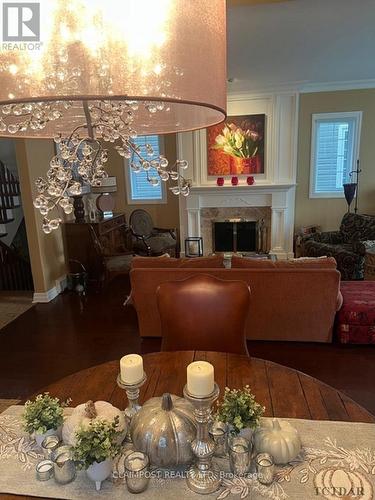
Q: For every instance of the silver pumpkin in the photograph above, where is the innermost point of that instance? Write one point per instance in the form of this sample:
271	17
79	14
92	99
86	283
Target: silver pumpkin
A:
164	428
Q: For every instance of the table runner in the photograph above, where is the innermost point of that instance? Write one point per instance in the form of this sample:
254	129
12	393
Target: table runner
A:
335	455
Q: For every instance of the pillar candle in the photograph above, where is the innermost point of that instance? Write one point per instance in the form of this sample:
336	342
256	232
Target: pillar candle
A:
200	379
131	369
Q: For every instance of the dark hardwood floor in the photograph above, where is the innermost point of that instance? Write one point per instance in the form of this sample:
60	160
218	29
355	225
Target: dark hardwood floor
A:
69	334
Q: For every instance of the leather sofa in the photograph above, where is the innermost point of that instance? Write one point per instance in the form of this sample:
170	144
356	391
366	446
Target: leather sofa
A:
295	302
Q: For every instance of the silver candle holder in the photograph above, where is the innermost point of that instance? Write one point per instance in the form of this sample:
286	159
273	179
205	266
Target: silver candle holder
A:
132	393
203	477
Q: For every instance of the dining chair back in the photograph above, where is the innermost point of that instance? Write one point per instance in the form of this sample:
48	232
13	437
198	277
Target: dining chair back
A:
203	313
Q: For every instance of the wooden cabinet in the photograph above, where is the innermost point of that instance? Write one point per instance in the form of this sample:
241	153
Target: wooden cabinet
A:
78	240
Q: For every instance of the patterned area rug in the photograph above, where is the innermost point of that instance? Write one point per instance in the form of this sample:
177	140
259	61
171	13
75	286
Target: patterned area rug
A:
12	306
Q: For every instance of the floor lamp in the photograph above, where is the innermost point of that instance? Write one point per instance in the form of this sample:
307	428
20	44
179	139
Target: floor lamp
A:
351	189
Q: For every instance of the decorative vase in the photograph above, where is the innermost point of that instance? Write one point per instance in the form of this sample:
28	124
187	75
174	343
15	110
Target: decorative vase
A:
240	165
99	472
246	433
220	181
234	181
250	180
39	438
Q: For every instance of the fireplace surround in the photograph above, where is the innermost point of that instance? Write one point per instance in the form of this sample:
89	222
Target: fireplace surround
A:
273	204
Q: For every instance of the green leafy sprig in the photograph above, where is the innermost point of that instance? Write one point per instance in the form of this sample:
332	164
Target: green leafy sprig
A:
239	409
96	442
43	414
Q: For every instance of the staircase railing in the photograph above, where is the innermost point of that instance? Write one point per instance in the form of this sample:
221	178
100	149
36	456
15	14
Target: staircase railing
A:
15	272
9	189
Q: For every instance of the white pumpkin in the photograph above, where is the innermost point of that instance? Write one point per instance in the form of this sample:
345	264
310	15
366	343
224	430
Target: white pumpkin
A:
85	413
279	439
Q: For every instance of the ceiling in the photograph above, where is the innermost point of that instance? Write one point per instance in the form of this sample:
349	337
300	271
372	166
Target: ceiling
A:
299	43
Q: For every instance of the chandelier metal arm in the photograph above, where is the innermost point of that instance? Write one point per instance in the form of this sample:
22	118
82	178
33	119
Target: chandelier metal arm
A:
90	129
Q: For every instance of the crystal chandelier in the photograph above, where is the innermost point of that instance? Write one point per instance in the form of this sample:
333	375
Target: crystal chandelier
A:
106	72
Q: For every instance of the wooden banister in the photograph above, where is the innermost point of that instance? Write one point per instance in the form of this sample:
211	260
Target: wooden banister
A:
15	272
9	189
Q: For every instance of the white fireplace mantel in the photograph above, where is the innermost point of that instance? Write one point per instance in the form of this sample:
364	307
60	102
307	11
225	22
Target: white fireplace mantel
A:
279	197
275	188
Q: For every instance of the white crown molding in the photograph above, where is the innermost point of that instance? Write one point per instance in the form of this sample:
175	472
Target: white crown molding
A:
52	293
337	86
262	94
301	87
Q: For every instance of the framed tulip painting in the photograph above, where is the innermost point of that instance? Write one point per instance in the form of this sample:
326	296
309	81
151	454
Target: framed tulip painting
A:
236	146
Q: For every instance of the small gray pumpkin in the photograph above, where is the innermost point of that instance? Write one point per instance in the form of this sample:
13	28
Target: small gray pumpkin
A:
164	428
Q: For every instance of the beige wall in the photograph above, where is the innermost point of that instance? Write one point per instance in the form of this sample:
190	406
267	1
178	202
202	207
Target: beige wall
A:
46	251
165	214
328	212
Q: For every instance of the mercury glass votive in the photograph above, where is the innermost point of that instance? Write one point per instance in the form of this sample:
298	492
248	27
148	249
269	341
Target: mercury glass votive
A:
239	455
44	470
219	434
64	465
137	472
49	446
265	468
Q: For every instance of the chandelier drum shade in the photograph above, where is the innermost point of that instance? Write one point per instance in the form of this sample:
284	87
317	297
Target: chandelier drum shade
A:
164	51
109	71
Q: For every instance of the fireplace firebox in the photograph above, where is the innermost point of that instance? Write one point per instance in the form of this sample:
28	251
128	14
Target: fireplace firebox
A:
235	236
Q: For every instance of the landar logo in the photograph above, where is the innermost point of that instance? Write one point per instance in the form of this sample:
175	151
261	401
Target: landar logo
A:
21	22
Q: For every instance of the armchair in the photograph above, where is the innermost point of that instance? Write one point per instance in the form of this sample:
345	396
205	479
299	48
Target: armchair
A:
149	240
110	265
348	245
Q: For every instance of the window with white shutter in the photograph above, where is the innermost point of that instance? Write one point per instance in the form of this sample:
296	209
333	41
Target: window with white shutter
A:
139	189
334	152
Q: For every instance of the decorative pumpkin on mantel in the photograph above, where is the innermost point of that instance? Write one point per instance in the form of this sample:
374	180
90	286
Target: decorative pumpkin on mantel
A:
279	439
85	413
164	429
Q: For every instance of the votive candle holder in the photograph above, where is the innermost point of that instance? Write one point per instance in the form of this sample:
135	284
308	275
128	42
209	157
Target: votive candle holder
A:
265	468
137	472
219	434
239	455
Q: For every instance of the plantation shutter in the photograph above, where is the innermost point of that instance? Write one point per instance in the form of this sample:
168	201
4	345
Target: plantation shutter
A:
141	189
334	148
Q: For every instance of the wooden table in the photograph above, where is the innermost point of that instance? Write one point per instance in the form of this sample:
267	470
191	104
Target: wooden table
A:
283	391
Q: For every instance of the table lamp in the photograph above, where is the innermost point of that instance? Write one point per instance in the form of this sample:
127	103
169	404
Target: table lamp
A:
105	202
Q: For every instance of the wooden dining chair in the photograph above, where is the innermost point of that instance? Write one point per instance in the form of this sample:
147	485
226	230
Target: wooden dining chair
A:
204	313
